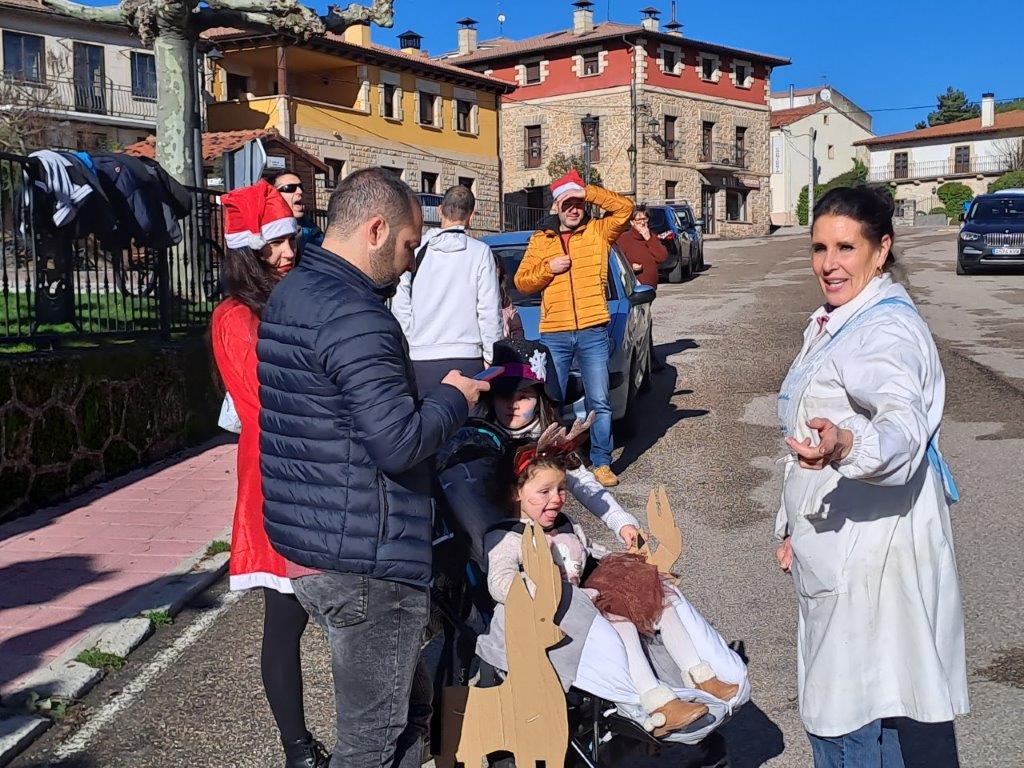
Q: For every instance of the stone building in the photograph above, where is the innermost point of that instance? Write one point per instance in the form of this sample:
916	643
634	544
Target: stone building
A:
72	83
677	119
354	104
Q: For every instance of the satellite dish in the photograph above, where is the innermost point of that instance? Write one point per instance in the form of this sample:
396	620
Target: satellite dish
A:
501	18
825	94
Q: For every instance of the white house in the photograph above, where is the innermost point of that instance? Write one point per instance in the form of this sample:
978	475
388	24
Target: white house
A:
837	124
96	80
974	152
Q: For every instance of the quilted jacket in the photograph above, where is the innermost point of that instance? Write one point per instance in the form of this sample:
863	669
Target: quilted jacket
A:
575	300
345	441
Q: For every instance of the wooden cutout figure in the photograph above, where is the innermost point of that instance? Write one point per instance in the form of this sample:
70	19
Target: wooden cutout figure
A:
526	714
663	527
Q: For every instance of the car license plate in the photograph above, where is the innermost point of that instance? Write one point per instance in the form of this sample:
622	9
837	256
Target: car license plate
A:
1006	251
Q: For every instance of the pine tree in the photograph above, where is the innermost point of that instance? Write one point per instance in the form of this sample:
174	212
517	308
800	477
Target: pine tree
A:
953	106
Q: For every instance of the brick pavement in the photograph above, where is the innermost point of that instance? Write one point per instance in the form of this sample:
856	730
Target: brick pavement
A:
68	570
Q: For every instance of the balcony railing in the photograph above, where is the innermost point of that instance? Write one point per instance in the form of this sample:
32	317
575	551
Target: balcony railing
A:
722	153
69	95
940	169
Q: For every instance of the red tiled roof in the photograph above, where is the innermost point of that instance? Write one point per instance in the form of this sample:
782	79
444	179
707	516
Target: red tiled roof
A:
602	31
217	143
1004	121
338	42
781	117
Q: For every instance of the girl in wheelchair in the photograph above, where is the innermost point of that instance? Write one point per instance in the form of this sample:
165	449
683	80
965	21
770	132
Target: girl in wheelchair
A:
625	609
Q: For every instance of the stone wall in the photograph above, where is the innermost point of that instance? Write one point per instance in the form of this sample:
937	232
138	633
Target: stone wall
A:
356	155
71	419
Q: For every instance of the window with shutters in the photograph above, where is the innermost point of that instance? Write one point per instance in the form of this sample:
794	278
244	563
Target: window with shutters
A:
670	137
533	73
901	165
465	121
670	190
429	103
962	159
389	106
532	145
591	64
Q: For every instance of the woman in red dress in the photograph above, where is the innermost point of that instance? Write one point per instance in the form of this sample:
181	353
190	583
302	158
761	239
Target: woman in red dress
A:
260	234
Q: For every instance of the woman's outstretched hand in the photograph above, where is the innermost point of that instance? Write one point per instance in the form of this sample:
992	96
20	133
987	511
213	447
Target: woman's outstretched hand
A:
784	554
834	444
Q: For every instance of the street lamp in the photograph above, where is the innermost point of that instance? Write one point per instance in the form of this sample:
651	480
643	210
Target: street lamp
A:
588	123
631	154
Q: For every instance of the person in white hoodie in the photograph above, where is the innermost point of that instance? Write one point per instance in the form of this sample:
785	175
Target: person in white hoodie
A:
450	306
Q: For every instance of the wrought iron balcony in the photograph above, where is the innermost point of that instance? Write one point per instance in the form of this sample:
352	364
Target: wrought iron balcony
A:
940	169
722	154
68	95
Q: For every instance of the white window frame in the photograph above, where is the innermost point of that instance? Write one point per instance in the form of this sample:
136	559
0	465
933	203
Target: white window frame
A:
680	63
466	96
744	196
363	104
748	81
716	74
521	70
577	62
395	81
430	88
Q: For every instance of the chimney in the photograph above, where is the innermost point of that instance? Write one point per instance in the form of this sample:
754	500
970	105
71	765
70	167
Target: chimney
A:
358	34
582	17
988	110
410	42
674	27
650	19
792	97
467	36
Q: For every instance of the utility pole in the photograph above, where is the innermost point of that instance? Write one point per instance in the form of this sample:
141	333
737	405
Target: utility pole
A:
810	184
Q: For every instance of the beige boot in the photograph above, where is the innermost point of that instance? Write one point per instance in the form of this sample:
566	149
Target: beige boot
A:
704	679
605	476
667	713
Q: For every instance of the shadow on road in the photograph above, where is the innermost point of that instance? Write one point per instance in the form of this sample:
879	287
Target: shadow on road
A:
655	412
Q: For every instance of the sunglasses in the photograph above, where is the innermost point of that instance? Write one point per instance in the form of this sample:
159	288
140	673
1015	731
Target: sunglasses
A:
289	188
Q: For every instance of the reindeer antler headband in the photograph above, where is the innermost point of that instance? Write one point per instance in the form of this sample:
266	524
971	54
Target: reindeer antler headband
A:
553	442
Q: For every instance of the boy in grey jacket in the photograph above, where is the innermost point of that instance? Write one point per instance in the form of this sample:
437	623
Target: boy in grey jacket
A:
450	307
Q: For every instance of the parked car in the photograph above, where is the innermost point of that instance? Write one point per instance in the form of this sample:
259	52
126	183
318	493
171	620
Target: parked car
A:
693	228
629	304
682	262
992	234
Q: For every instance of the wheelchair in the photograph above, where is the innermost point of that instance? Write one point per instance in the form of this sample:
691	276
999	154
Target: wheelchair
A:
599	735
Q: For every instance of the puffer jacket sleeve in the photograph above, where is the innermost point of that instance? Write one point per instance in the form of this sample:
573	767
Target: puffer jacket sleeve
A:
534	274
619	209
362	354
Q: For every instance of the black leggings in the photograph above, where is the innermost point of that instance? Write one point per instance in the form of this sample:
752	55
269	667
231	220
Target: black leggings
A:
284	620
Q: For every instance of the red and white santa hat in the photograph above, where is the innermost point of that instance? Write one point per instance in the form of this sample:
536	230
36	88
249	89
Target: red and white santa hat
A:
253	216
571	182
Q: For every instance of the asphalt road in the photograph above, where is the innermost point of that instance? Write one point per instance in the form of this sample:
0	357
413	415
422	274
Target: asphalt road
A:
708	432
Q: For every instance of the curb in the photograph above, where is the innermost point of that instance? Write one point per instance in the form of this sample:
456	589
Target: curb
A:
67	679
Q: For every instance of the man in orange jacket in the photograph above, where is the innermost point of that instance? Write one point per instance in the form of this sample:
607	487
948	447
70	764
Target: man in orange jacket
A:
567	260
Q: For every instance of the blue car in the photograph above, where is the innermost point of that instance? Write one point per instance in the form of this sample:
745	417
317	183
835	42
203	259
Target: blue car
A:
629	304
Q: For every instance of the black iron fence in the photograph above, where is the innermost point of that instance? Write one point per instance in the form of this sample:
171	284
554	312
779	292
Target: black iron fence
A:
96	97
55	288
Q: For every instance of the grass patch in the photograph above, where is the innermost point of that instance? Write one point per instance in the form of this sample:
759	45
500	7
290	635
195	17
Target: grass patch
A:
158	619
98	659
217	547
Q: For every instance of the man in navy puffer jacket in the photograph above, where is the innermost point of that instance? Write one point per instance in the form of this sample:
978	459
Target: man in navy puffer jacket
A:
345	447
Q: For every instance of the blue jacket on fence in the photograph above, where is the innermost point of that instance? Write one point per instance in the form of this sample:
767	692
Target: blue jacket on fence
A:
346	443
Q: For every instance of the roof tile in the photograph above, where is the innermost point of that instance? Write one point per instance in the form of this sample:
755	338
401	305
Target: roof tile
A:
1004	121
781	117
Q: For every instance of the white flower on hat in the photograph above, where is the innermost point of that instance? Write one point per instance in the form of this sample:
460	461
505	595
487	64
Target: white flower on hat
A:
539	365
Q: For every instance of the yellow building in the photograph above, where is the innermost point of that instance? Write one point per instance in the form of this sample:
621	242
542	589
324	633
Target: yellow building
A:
355	104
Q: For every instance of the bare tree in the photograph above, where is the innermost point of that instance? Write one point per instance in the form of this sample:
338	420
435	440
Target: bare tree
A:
27	117
1011	152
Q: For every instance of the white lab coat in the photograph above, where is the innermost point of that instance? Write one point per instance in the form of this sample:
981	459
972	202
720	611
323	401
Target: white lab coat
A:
881	631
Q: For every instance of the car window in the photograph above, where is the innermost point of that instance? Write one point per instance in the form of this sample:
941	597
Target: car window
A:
511	256
998	209
658	220
685	216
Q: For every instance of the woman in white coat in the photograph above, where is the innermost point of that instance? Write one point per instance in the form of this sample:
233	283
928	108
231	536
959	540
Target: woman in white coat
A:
864	517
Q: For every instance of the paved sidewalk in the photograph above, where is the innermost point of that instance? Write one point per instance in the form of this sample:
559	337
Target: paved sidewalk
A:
70	570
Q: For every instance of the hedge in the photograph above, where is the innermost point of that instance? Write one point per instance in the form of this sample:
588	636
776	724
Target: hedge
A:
852	178
1011	180
953	195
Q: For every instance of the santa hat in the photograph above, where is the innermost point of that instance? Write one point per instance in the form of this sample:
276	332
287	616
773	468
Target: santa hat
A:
571	182
253	216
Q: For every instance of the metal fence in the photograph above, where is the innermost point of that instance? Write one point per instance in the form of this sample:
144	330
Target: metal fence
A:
64	94
55	288
937	169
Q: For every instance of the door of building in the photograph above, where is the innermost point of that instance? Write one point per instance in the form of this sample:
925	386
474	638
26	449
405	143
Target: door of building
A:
89	79
707	196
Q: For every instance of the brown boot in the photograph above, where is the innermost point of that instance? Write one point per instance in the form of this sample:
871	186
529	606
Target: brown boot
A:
704	679
678	714
605	476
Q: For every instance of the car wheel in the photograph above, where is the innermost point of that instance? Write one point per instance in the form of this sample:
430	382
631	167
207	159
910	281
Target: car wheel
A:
962	270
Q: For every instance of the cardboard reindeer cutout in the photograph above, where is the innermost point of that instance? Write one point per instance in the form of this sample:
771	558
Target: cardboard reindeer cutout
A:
663	527
526	714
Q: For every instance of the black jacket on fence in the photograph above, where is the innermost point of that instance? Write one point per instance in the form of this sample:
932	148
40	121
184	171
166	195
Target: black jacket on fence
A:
346	444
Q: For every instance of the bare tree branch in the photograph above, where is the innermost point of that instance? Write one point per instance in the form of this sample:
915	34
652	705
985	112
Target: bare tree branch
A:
381	13
108	14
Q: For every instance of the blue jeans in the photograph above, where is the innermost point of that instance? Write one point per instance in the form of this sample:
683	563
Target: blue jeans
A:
592	348
374	630
875	745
